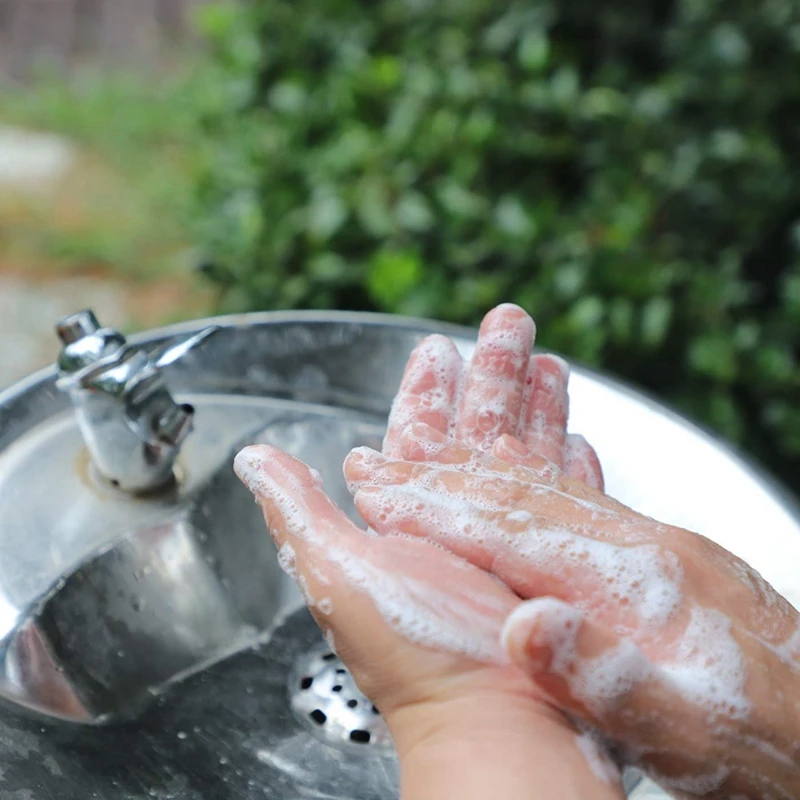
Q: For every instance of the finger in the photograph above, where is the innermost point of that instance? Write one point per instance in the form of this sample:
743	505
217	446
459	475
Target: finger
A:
301	519
661	716
491	404
419	592
513	451
593	674
544	428
483	480
581	462
423	443
429	390
530	554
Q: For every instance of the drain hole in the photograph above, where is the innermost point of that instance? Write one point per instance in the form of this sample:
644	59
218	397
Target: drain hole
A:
318	716
328	703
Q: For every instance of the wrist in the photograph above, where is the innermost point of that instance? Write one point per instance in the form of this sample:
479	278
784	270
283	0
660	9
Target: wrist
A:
492	744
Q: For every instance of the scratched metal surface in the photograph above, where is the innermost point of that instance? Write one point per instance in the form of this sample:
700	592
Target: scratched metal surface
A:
227	734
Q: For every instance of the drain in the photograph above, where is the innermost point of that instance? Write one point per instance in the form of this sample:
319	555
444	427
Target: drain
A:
327	700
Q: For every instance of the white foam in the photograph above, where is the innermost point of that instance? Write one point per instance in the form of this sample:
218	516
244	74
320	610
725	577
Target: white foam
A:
435	357
249	465
302	582
643	576
413	608
708	667
287	559
331	641
422	613
600	763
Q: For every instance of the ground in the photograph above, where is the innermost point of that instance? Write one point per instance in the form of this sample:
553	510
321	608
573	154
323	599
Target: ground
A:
74	234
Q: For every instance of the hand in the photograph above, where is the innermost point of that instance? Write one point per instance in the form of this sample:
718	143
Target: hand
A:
505	392
671	646
420	630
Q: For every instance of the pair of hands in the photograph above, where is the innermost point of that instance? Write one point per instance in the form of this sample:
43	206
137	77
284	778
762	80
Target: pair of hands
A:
602	620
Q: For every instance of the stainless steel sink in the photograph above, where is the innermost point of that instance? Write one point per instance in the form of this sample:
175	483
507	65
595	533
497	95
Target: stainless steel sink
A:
109	598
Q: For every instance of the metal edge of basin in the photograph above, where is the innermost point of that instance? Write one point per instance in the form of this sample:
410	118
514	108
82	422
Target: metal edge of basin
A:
422	327
416	329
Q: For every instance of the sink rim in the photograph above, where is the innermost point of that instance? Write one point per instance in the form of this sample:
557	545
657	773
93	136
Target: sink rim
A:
781	491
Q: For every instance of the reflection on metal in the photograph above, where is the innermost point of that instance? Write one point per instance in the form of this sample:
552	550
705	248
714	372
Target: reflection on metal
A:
327	700
129	421
108	598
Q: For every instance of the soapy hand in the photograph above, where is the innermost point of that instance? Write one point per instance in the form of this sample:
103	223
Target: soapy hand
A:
420	629
504	391
676	650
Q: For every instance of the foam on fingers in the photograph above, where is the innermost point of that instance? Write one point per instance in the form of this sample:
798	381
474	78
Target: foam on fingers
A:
581	462
428	391
491	403
544	428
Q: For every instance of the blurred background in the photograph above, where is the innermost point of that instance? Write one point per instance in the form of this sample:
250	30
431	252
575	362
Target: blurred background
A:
628	172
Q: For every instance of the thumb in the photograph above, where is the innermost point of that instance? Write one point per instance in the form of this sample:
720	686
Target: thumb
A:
582	667
601	679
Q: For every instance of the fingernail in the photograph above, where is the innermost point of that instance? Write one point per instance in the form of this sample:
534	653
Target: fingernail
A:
419	430
249	467
514	445
366	455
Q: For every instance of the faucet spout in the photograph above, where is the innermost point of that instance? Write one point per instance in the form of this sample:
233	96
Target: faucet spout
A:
131	424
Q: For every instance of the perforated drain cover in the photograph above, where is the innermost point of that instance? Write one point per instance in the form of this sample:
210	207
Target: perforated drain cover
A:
327	700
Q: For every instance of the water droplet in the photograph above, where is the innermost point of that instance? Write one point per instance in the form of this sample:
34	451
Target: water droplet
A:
182	734
223	760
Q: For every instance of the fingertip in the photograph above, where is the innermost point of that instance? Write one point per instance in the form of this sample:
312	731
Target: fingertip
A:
508	447
359	465
419	442
254	463
439	343
506	312
534	631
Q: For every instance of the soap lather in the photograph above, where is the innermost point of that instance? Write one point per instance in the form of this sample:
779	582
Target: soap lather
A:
131	424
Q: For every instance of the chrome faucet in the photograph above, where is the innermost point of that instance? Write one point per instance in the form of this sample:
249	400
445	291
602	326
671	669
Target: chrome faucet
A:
132	426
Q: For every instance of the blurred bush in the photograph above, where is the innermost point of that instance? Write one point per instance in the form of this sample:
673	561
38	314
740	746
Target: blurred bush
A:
626	171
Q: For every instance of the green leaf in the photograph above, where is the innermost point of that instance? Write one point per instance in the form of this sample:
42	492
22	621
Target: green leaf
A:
656	318
713	356
392	275
534	50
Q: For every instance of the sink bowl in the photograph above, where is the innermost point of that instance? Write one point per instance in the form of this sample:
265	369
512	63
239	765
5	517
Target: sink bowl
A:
108	600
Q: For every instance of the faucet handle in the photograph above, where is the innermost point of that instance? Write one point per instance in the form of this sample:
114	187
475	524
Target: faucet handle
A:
171	352
130	422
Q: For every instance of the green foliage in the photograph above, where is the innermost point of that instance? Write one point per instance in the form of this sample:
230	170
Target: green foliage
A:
625	171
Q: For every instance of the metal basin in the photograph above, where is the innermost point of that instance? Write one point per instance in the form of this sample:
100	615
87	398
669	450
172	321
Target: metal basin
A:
107	599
